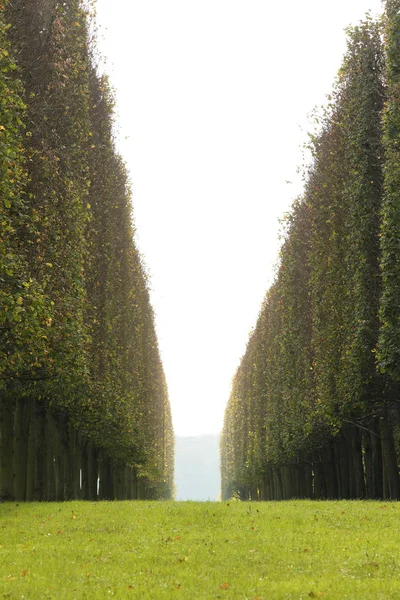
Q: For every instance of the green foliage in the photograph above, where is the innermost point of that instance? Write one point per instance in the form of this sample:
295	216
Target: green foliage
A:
24	311
389	347
344	194
52	59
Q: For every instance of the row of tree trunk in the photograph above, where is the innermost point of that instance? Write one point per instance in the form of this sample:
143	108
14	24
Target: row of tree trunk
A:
43	458
358	463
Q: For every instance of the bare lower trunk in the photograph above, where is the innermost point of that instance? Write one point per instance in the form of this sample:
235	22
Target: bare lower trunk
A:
31	453
50	460
21	430
6	447
40	455
389	459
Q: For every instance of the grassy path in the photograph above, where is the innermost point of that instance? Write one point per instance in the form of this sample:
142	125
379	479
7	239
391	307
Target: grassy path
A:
145	550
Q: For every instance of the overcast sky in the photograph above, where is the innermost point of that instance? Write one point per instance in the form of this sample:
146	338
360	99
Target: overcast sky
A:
212	103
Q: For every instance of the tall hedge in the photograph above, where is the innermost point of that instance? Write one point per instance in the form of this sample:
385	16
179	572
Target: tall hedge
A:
327	409
82	380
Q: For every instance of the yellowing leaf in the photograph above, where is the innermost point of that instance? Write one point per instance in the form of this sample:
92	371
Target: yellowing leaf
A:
224	586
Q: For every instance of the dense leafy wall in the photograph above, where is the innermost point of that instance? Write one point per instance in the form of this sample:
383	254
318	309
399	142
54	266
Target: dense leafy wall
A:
310	392
84	409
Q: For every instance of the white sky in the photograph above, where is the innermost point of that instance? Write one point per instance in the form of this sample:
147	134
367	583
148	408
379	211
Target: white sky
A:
212	97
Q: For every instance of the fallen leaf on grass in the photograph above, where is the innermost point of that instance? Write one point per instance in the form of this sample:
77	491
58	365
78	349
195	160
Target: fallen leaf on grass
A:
317	594
184	559
24	572
129	587
375	565
224	586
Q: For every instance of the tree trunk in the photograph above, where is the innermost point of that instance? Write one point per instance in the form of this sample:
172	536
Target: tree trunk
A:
59	463
319	480
331	485
21	430
40	454
368	465
106	491
343	462
377	461
308	481
50	462
277	474
76	463
31	452
389	459
356	471
6	447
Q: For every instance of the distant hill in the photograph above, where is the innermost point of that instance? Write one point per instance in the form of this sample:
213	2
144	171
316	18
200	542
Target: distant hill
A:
197	467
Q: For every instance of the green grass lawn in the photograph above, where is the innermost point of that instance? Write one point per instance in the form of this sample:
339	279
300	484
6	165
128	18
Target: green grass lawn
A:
232	550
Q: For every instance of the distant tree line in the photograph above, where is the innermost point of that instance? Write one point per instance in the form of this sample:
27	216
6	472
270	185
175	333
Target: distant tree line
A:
84	410
314	410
